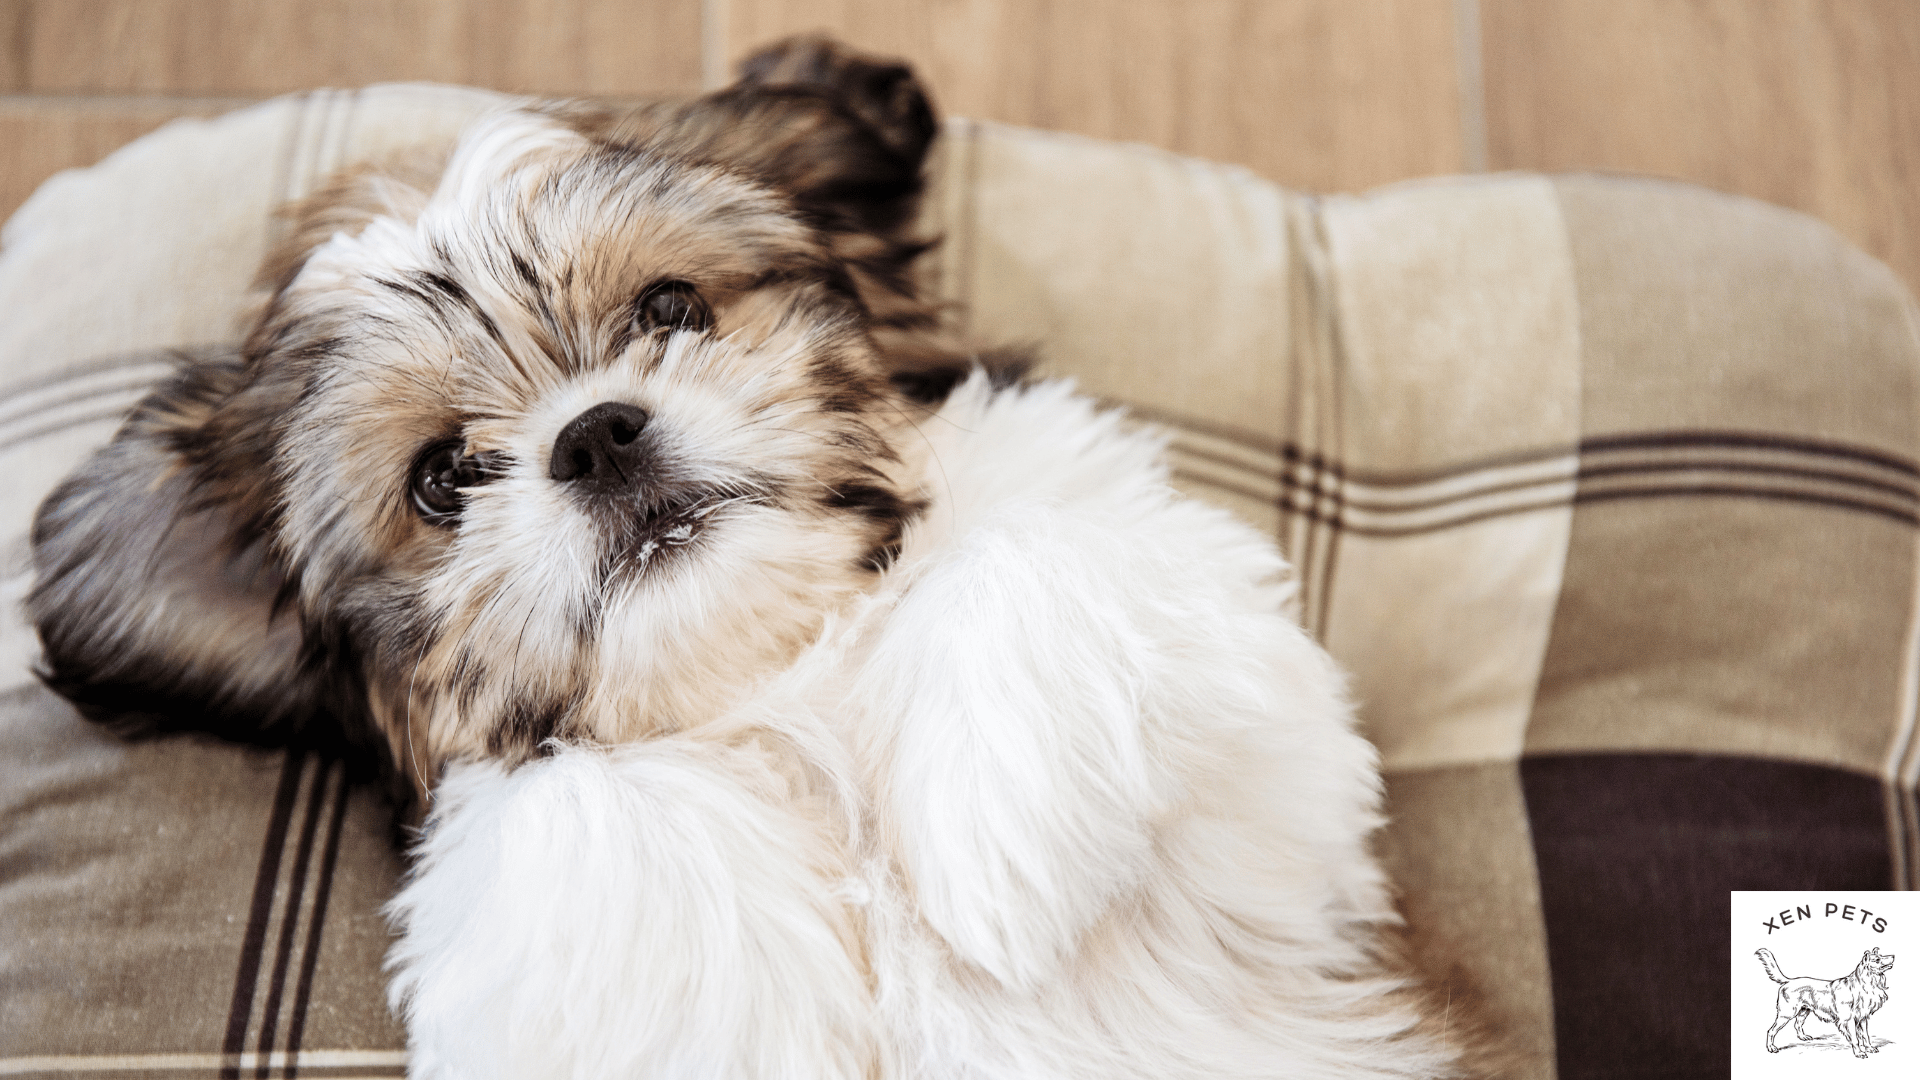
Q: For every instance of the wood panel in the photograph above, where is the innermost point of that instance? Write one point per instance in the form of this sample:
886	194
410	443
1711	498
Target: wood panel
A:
614	47
1320	94
44	135
1813	104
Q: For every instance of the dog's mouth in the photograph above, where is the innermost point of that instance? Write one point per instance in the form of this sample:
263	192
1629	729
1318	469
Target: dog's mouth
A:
674	522
664	528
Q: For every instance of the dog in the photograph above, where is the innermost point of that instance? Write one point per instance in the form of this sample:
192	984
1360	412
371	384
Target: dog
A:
1848	1003
788	693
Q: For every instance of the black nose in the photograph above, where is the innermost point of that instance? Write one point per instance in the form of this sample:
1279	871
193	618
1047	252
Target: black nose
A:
602	446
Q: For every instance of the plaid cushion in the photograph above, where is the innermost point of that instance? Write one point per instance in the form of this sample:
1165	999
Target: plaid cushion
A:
1604	490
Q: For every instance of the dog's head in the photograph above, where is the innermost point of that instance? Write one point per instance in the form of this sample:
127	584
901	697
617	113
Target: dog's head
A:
1875	961
574	433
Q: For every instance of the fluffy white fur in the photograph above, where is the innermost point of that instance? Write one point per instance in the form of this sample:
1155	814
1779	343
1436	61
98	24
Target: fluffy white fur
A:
1065	795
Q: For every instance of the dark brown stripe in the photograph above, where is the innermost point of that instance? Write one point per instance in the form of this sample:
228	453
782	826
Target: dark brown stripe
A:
1903	492
1749	440
264	881
1327	482
290	920
1905	517
1312	507
316	925
1320	464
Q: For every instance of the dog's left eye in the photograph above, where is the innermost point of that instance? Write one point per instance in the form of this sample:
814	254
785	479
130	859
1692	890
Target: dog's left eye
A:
438	476
671	305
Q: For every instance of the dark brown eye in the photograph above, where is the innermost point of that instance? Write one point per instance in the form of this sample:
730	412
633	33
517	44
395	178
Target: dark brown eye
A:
438	476
671	305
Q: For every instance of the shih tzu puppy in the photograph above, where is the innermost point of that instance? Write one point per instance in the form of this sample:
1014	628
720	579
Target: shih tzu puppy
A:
786	701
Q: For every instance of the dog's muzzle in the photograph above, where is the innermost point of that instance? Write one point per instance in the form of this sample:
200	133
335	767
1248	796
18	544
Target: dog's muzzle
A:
607	459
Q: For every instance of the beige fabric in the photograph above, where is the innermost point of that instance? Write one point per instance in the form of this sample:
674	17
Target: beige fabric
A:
1461	400
129	896
1457	843
1583	467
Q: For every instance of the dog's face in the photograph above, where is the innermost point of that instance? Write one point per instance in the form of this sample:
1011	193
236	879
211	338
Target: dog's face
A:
594	438
576	437
1876	961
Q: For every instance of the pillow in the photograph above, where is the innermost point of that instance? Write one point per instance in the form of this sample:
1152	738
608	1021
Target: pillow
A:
1603	489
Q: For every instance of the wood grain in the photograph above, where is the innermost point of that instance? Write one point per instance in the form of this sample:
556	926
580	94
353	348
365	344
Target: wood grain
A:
1320	94
613	47
1813	104
45	135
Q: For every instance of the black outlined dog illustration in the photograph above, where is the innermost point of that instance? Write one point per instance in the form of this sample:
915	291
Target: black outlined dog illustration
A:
1847	1002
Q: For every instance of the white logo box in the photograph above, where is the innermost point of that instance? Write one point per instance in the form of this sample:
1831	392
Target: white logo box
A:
1818	940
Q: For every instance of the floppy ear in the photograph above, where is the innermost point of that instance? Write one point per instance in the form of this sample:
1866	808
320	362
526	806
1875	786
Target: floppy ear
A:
158	595
842	134
845	136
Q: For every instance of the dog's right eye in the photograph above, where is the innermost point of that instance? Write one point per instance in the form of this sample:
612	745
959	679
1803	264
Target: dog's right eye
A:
438	476
671	305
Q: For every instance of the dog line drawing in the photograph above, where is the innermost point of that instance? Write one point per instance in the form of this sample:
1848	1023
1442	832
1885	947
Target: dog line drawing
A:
1847	1003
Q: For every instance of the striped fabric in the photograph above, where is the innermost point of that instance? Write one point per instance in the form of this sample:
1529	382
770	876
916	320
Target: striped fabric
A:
1604	490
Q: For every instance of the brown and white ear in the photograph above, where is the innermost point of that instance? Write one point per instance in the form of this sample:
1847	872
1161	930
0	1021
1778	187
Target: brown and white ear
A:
868	171
842	134
158	596
879	191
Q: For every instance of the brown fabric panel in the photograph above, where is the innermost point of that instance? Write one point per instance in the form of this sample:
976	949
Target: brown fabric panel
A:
1458	848
129	895
1698	310
1725	624
1637	854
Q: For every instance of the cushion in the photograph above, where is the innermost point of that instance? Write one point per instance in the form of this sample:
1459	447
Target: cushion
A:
1604	490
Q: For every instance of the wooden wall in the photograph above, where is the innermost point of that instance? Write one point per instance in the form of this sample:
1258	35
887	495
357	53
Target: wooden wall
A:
1811	103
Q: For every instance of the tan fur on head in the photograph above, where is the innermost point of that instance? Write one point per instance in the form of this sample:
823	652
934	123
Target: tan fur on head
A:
724	280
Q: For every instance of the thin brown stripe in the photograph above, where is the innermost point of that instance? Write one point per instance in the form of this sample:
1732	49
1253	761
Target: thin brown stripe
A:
264	880
1904	517
1904	493
1311	511
969	224
70	422
1816	447
282	187
1336	363
1898	831
290	921
70	372
316	924
1321	464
